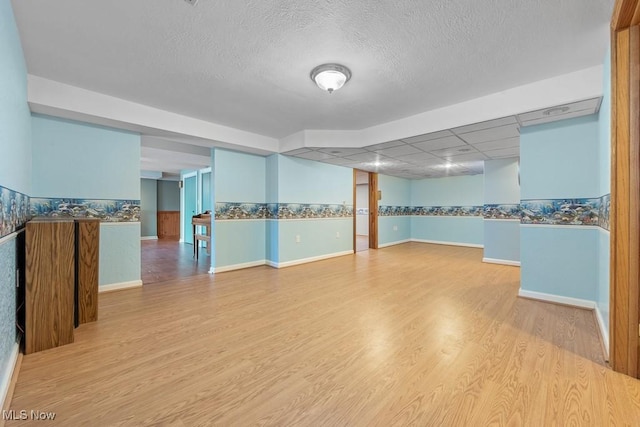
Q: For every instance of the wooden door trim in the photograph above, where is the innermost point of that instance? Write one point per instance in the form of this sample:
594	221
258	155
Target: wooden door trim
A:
373	210
355	186
625	188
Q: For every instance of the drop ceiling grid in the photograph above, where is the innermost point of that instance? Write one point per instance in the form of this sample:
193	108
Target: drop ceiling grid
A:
464	149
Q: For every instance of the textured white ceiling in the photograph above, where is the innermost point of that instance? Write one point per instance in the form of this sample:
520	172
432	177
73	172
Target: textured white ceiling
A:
246	64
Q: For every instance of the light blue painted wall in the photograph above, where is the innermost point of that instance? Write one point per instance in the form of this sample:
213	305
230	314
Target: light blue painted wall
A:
15	164
395	191
501	182
317	238
306	181
560	261
119	253
239	177
461	230
449	191
168	196
502	240
15	118
148	207
271	226
560	160
501	237
271	182
392	229
239	242
79	160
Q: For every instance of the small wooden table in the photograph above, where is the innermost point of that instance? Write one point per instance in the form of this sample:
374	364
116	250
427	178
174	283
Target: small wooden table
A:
203	220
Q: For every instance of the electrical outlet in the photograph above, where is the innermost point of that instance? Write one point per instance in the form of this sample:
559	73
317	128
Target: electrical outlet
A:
337	234
395	228
297	238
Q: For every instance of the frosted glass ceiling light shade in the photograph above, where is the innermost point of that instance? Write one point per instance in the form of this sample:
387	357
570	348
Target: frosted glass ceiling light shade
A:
330	77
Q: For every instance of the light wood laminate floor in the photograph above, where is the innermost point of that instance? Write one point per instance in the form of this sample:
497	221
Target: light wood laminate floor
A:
165	259
414	334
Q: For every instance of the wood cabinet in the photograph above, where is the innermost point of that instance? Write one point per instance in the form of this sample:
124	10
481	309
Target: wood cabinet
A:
49	294
87	233
61	279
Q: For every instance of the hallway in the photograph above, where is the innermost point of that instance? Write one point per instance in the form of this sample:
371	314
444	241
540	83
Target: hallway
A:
163	260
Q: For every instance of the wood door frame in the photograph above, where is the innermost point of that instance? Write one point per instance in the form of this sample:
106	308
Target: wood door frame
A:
373	208
624	304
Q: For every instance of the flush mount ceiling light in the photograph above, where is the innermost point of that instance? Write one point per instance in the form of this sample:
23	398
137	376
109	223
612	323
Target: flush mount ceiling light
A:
555	111
330	77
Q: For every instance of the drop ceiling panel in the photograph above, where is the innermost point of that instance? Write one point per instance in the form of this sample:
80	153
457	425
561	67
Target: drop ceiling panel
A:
315	155
384	145
428	136
401	150
499	144
341	161
452	151
505	152
297	151
342	151
437	144
467	157
366	157
502	132
418	156
511	120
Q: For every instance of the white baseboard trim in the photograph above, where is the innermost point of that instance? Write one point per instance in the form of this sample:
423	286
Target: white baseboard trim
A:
149	238
119	286
8	373
604	333
575	302
306	260
238	266
399	242
501	261
438	242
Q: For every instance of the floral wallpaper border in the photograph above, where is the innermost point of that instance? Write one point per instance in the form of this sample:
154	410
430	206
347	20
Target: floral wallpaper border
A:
107	210
14	210
228	210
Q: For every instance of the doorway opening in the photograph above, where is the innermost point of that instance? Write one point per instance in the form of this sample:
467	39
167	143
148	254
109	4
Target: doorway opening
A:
172	254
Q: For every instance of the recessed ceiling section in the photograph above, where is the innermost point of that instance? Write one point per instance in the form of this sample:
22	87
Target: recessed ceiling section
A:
458	151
